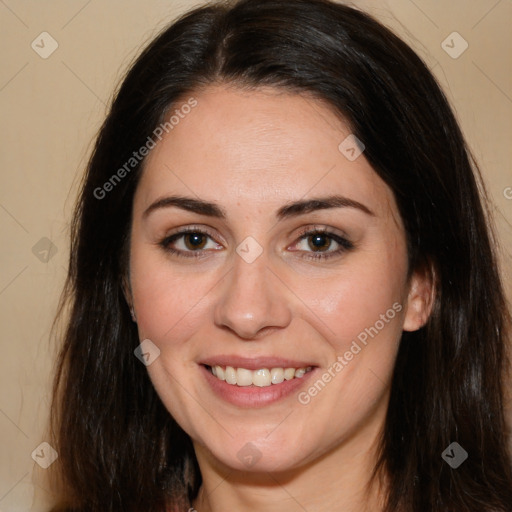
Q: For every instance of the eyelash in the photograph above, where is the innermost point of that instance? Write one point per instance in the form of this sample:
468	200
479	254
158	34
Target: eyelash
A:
345	245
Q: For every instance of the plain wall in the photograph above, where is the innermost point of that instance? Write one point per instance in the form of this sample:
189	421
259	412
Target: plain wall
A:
52	108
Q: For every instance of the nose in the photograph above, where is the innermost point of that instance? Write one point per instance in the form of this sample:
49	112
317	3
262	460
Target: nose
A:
252	300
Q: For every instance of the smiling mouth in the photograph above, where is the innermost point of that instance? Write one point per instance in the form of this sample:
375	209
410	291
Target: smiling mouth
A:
263	377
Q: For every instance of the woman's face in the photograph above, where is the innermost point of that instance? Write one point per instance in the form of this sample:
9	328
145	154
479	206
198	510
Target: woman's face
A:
259	243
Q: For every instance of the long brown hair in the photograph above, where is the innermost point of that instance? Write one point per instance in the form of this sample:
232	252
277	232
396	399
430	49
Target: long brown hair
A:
120	449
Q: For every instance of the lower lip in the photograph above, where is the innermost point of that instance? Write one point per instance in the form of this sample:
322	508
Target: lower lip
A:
254	396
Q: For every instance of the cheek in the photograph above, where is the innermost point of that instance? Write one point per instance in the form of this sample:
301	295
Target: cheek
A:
360	314
167	302
170	307
365	295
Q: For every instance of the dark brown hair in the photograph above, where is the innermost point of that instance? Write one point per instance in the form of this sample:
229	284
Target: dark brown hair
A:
120	449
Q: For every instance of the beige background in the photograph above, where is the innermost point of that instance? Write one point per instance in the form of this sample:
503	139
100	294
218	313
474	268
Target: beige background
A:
51	108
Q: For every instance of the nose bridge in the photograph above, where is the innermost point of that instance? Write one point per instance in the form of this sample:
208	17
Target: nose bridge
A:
251	299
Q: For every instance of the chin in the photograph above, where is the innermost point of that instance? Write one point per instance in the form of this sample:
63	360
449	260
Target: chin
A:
255	454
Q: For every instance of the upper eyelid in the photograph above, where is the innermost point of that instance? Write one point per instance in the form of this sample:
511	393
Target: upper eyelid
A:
321	229
189	229
312	228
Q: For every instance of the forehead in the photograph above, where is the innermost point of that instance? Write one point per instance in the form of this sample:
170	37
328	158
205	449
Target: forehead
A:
255	146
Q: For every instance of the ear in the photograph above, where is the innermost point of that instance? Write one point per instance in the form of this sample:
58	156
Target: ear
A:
127	292
420	298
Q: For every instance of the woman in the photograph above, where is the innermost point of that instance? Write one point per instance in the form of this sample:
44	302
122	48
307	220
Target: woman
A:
283	291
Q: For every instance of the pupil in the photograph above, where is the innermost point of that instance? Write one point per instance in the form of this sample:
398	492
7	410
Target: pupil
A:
195	241
319	242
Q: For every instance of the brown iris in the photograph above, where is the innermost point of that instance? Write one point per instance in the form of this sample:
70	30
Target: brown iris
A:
319	242
195	240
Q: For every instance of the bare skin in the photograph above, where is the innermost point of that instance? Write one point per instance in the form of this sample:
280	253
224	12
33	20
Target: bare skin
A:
306	297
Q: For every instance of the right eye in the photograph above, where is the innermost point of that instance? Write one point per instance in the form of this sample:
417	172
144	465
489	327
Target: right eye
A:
189	243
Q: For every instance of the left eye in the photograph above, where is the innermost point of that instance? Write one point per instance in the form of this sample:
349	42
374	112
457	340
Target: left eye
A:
322	242
319	244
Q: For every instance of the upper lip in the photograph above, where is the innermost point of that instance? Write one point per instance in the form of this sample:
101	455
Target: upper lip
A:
254	363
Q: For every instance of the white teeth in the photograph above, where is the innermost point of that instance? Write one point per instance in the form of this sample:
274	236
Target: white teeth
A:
263	377
219	372
230	375
277	375
243	377
289	373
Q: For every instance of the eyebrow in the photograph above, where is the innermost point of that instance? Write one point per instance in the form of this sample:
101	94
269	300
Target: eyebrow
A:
187	203
292	209
321	203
